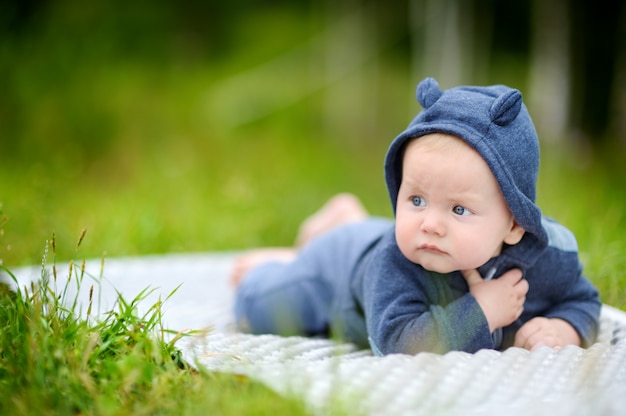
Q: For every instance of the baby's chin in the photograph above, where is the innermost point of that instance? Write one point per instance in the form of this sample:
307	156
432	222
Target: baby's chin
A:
440	269
451	268
442	265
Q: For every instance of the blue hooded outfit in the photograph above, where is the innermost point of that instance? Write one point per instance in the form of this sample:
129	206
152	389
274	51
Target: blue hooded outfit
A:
355	283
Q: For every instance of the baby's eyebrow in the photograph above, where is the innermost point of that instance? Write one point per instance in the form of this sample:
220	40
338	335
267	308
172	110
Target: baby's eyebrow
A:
470	196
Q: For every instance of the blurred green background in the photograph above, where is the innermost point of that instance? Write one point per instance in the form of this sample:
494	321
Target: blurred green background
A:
201	126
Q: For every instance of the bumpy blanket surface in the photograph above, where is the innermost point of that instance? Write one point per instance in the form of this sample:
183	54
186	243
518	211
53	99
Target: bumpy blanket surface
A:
331	376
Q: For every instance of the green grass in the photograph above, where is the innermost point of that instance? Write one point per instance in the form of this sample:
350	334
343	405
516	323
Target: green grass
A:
53	361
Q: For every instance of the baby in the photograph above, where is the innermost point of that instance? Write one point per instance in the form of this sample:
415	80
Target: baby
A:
469	262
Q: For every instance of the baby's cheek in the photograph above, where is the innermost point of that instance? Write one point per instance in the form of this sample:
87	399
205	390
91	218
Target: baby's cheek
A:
473	255
409	253
404	239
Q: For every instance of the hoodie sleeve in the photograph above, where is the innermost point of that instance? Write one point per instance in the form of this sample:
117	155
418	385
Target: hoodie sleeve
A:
409	310
558	288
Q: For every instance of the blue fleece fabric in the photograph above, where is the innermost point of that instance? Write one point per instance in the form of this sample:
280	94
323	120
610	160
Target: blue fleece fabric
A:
355	281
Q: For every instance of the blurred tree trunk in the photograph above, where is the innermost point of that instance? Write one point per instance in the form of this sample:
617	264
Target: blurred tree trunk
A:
618	116
442	40
350	69
596	40
549	92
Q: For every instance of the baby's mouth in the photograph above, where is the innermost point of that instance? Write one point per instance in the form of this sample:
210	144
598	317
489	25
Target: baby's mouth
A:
431	248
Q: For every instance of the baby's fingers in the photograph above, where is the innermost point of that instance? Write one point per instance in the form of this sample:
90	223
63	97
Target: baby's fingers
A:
515	279
537	332
513	276
471	276
522	287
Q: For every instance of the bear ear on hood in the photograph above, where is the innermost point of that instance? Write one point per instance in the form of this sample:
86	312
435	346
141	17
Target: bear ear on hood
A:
506	107
428	92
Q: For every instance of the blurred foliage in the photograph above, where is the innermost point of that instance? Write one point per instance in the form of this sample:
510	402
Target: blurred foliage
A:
118	118
190	126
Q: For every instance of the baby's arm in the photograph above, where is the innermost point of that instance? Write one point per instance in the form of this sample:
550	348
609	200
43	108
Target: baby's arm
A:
550	332
408	310
502	300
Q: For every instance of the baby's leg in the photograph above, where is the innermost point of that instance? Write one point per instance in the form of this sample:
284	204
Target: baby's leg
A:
304	295
255	258
339	210
290	297
283	298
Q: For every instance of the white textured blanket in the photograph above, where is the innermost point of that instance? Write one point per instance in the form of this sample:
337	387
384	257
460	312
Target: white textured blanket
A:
336	377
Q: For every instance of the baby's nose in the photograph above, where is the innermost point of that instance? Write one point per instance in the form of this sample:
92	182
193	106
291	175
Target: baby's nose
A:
433	222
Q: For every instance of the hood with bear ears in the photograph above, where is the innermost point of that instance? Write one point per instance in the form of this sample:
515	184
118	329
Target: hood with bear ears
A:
493	121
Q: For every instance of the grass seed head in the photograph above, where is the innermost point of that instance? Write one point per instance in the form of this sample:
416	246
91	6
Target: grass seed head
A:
81	237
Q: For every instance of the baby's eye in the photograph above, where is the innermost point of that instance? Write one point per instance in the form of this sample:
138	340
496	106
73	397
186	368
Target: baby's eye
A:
418	201
459	210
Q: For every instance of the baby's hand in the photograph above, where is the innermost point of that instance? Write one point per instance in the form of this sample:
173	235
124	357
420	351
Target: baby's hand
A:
551	332
502	300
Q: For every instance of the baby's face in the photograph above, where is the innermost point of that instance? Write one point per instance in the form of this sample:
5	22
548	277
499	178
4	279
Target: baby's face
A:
450	213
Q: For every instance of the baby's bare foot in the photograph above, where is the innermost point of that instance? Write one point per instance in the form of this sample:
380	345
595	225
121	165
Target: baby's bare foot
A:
257	257
339	210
